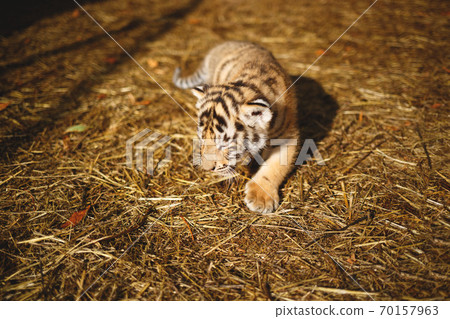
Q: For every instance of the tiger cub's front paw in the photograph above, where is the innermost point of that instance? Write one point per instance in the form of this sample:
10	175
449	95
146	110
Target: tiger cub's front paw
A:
261	196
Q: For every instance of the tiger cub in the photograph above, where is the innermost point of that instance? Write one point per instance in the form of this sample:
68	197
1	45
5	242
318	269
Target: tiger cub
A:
245	107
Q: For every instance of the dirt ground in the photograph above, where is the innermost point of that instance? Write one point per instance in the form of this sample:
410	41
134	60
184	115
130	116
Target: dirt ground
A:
373	223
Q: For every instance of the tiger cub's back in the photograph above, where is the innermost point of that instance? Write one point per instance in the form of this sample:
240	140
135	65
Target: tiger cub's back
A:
236	60
253	66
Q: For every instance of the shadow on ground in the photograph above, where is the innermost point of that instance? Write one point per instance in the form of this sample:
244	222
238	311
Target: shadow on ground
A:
316	109
138	32
19	14
316	112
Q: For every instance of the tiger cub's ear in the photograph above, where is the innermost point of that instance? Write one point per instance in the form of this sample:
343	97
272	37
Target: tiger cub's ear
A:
199	91
256	112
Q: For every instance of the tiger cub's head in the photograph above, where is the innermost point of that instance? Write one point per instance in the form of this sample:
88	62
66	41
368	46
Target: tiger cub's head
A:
233	121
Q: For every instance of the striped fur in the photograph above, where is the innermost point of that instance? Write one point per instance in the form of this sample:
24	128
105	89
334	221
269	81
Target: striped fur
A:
238	86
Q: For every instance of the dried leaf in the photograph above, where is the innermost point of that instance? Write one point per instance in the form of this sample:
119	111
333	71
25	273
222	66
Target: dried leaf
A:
76	217
76	128
4	105
111	60
75	13
143	102
152	63
436	105
351	260
193	21
392	128
320	52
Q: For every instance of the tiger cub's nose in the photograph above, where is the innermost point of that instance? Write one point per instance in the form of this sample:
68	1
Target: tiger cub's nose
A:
208	165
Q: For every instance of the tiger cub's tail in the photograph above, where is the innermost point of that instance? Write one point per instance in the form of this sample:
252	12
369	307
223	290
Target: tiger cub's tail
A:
189	82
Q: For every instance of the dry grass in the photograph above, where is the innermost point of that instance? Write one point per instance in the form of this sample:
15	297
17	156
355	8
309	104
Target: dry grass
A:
376	104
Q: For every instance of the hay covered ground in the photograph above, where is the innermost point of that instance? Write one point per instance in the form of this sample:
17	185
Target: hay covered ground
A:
372	223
